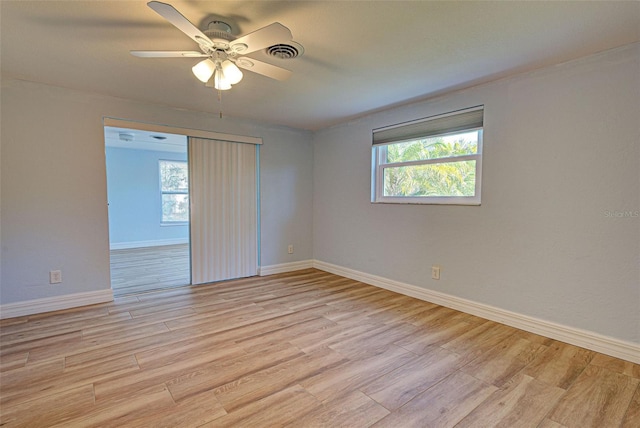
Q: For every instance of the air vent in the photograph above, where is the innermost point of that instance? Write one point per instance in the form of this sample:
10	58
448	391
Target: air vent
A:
285	50
125	136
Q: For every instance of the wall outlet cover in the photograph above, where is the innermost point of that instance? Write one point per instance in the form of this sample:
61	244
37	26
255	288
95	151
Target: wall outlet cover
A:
55	277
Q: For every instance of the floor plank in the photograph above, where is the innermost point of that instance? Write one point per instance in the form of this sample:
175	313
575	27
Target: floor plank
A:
246	389
354	409
501	363
396	388
560	364
49	410
523	402
124	411
357	372
443	405
599	397
278	409
29	388
632	417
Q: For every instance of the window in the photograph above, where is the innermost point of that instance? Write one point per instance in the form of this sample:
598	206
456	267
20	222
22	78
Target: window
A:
436	160
174	189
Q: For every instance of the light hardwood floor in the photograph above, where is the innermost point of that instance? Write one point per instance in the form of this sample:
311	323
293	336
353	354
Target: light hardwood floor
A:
138	270
302	349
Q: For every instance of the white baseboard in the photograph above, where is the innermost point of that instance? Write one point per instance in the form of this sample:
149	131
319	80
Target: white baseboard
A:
285	267
154	243
586	339
57	303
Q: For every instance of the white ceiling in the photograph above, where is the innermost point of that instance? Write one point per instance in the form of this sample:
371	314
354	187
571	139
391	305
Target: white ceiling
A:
144	140
360	56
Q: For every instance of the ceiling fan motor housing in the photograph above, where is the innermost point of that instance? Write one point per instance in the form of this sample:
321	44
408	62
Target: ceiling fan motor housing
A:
219	30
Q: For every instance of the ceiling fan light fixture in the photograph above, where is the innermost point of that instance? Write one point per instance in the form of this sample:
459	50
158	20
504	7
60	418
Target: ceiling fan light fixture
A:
231	72
223	51
204	70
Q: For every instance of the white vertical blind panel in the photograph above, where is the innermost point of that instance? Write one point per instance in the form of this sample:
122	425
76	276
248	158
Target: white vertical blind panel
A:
223	210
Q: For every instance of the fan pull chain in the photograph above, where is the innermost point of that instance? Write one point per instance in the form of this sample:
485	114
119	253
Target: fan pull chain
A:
220	101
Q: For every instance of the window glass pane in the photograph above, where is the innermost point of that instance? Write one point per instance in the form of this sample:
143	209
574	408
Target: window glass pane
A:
441	179
175	207
174	176
434	148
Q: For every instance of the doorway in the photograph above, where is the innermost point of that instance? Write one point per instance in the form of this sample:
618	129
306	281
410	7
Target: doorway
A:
148	200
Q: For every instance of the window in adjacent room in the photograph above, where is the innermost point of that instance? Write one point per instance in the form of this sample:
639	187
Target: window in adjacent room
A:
437	160
174	188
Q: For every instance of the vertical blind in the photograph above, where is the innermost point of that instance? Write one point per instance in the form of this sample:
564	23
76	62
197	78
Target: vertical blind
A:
223	187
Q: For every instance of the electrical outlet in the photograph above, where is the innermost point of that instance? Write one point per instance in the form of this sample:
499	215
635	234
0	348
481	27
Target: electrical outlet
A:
435	272
55	276
290	249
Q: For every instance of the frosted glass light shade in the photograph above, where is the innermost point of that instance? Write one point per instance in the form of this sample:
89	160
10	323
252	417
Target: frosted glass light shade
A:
220	82
204	70
231	72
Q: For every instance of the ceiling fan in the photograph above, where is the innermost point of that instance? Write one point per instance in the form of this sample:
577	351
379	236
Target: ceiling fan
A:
223	52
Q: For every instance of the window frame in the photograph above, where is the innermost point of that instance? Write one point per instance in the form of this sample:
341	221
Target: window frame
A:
379	166
163	192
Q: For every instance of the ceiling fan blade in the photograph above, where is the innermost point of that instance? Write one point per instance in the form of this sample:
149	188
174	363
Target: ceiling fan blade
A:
169	13
168	54
262	38
263	68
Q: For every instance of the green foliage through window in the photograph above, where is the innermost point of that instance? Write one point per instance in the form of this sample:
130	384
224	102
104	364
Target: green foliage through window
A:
433	148
436	179
443	179
174	185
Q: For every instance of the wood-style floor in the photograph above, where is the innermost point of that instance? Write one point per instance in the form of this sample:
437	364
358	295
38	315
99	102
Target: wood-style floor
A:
302	349
139	270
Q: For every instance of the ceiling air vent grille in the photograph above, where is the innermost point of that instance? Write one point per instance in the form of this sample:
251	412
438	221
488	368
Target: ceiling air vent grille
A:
285	51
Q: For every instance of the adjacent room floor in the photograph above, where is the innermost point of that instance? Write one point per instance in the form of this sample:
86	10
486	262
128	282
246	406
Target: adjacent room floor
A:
139	270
